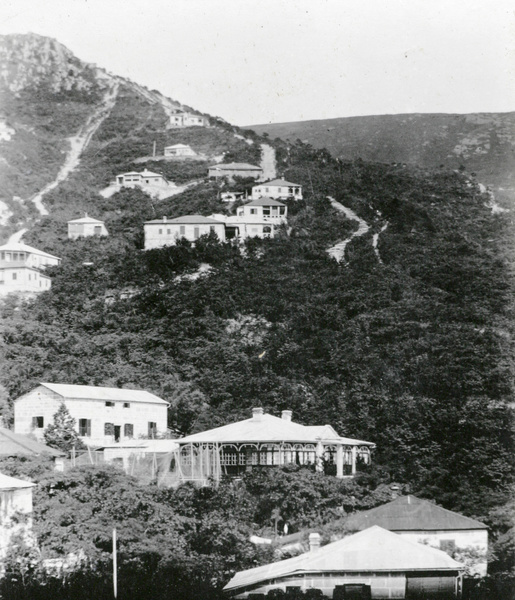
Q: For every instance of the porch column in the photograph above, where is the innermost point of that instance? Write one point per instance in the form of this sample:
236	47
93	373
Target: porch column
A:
281	454
319	453
339	461
354	452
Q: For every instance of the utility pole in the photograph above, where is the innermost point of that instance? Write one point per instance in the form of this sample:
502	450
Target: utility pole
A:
115	574
154	150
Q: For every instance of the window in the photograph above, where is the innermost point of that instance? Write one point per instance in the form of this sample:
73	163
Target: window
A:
152	429
168	231
126	405
15	276
212	228
108	428
266	190
38	422
182	230
85	427
160	232
282	210
108	403
253	211
196	233
128	430
266	211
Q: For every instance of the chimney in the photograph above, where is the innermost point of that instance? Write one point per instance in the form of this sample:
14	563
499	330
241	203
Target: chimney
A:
314	542
257	413
164	219
395	491
286	415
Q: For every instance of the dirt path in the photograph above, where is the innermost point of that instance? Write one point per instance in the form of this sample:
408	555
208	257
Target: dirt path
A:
15	238
268	162
338	250
375	241
78	144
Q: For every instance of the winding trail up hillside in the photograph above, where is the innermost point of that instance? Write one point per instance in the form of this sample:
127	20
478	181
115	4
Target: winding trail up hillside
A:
338	250
375	241
78	143
268	162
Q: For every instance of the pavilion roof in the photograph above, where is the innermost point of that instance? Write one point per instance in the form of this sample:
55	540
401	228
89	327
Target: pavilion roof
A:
265	428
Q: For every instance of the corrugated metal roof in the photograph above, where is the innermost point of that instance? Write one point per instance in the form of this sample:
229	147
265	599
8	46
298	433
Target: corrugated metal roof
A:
268	428
187	219
279	183
11	483
373	550
12	444
408	513
19	247
235	167
92	392
264	201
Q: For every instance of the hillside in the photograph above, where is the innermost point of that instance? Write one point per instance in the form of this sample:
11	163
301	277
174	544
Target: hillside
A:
406	342
483	143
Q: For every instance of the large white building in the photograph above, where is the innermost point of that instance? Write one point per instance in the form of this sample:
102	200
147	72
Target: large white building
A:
166	232
86	227
22	268
102	415
278	189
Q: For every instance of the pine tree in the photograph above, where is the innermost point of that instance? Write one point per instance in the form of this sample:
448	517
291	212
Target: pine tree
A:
61	433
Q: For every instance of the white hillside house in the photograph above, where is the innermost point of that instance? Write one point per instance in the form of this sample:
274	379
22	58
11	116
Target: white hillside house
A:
143	180
102	415
179	150
187	119
258	218
86	227
278	189
22	268
15	500
166	232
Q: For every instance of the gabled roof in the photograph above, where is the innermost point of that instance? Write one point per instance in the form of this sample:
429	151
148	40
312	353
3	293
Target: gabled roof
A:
264	201
187	219
12	444
279	183
373	550
236	167
11	483
408	513
86	219
267	428
20	247
92	392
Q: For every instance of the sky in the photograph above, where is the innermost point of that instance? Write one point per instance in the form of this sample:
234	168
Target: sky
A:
269	61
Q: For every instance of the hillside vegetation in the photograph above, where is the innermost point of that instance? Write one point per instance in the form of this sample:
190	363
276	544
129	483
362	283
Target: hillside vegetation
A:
483	143
406	343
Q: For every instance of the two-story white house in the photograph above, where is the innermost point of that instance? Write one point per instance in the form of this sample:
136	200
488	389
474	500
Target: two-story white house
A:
166	232
102	415
86	227
22	268
258	218
187	119
279	189
179	150
144	179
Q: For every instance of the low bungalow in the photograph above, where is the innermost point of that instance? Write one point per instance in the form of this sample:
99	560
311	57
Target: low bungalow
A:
166	232
22	268
231	170
86	227
371	564
144	179
187	119
265	441
278	189
102	415
179	150
425	522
